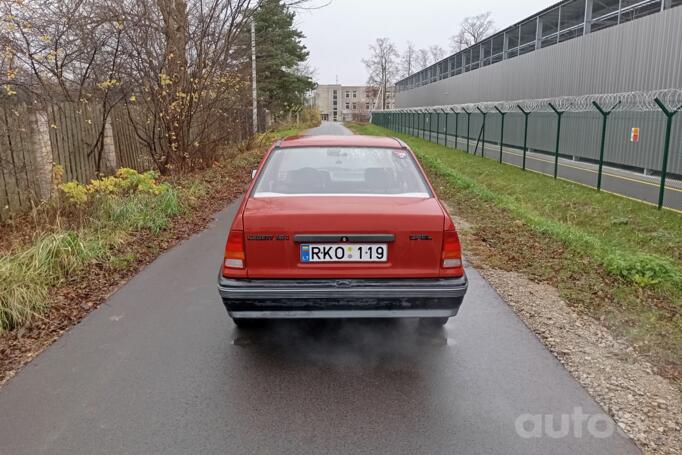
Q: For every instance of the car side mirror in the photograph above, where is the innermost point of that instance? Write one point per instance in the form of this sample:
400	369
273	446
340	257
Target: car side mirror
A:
253	174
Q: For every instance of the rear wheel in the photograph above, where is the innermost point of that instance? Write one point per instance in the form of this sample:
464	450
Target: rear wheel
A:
433	323
244	323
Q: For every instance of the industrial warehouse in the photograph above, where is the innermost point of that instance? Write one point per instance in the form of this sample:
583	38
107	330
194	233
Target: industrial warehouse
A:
548	84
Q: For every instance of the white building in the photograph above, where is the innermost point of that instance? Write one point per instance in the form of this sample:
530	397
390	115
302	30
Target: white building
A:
341	103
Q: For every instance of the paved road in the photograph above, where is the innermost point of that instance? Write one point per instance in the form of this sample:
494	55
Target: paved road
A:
330	128
625	183
160	369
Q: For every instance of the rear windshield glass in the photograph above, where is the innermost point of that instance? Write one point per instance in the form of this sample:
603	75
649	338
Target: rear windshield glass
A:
341	171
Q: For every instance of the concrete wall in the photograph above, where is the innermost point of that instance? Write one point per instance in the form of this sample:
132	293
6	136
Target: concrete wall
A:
645	54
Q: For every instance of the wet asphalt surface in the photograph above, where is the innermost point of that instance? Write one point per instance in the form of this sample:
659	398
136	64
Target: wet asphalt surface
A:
161	369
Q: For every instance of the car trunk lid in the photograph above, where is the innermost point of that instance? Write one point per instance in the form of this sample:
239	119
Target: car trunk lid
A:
276	227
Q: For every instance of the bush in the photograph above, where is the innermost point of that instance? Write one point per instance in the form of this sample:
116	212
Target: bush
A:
110	209
125	182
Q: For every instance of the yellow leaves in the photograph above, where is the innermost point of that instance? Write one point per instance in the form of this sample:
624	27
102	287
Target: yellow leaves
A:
75	192
133	98
45	38
107	185
108	84
58	174
9	91
164	79
125	181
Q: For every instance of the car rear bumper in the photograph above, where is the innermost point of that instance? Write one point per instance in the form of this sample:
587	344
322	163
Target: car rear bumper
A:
337	298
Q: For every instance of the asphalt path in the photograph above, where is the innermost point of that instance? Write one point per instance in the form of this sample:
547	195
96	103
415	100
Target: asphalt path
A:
161	369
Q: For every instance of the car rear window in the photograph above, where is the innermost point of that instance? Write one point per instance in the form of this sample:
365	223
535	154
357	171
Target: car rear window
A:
341	171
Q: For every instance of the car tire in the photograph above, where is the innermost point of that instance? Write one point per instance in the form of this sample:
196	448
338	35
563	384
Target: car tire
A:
244	323
433	323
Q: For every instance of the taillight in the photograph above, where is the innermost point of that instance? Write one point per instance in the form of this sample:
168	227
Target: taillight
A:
234	251
452	253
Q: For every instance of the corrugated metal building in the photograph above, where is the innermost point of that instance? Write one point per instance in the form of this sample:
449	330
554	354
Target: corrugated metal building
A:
575	47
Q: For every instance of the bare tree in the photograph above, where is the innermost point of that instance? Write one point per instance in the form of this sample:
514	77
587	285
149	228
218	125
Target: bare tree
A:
437	53
423	59
473	29
408	60
68	51
382	66
187	76
179	68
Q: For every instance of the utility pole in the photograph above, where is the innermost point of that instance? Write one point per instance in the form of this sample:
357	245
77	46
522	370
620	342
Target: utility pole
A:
254	89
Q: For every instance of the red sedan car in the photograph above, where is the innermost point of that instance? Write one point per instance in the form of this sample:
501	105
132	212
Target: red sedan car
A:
341	227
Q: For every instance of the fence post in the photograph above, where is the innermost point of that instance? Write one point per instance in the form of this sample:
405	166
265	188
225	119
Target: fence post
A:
42	149
502	114
109	164
468	126
456	130
605	117
525	136
430	126
670	114
485	115
446	128
558	138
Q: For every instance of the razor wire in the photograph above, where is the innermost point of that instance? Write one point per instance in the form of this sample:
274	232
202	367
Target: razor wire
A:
639	101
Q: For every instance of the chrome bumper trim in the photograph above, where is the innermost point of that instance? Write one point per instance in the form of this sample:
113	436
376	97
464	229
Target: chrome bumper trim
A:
341	314
241	289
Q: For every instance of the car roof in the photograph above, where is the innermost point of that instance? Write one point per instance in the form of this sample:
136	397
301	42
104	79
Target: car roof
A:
341	141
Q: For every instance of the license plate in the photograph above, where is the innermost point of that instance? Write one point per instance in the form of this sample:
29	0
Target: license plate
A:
344	252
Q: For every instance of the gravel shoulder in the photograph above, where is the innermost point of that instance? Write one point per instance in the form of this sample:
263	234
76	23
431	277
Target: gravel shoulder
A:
646	406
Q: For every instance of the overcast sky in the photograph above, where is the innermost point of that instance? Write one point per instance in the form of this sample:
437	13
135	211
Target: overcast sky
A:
338	36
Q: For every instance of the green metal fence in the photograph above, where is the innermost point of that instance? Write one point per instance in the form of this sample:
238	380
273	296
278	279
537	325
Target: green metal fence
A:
475	127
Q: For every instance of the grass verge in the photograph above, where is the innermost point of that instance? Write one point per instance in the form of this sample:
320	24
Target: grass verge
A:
616	259
88	225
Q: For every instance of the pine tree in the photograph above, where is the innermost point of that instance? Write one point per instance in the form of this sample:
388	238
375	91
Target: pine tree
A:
279	54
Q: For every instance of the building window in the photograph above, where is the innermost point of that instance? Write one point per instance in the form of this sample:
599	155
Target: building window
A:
347	105
355	94
572	20
355	106
632	9
347	94
605	14
528	36
549	29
